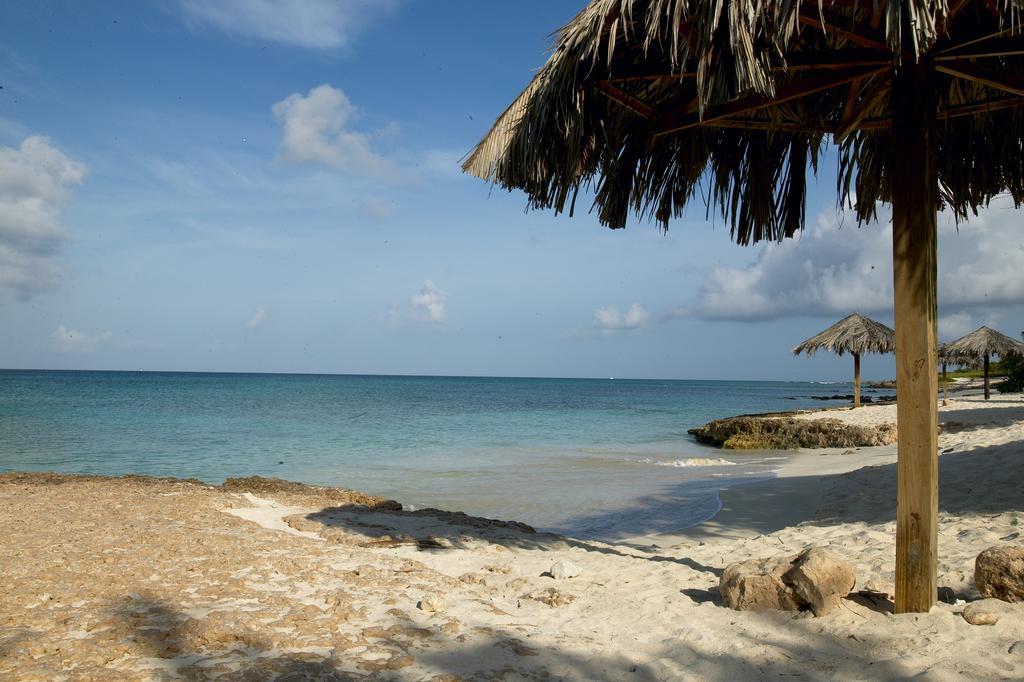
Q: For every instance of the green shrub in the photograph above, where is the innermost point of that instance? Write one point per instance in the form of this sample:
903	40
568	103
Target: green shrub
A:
1013	366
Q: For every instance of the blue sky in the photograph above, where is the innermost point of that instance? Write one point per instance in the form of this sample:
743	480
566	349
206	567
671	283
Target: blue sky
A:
249	185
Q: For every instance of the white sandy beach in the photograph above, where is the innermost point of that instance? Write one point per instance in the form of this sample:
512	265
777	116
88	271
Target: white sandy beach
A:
130	579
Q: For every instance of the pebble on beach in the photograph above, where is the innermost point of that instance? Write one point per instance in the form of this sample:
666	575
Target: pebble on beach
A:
984	611
562	570
432	603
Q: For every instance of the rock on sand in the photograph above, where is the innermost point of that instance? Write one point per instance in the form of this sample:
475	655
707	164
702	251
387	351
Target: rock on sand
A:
815	579
999	573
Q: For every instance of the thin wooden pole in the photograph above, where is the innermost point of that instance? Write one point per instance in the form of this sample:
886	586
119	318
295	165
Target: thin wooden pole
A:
914	187
986	377
856	379
945	386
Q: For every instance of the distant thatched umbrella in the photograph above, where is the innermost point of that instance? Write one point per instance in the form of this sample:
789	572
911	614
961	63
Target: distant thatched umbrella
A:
854	334
980	344
650	103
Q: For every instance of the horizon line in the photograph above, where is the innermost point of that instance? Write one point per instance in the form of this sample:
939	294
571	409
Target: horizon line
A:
420	376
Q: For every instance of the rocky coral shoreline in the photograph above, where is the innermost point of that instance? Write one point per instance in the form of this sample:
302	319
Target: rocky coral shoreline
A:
781	432
140	578
290	492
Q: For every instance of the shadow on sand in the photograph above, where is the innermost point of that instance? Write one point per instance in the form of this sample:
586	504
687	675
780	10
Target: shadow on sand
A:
432	530
162	634
165	646
999	412
965	487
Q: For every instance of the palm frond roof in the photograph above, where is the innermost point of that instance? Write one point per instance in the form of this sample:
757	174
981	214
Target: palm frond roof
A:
649	104
852	334
979	343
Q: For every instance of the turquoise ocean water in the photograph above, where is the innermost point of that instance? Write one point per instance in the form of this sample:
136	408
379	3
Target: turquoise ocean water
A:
593	457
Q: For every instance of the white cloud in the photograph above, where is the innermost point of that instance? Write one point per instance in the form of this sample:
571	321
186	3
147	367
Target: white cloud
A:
317	130
35	182
378	208
318	24
442	162
982	263
64	340
609	319
257	319
960	323
955	325
430	304
832	269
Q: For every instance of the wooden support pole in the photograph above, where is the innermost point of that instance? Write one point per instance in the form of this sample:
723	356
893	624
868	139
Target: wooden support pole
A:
945	386
856	379
914	204
987	395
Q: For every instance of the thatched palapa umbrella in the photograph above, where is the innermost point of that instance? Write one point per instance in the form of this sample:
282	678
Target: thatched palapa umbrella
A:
854	334
981	344
649	103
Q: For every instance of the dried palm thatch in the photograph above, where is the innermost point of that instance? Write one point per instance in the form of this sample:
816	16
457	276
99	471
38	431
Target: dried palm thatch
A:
978	347
651	103
854	334
978	344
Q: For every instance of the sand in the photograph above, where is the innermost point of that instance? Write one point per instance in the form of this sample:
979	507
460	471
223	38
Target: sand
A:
146	579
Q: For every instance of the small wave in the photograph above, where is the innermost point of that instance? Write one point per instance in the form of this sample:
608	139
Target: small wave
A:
688	462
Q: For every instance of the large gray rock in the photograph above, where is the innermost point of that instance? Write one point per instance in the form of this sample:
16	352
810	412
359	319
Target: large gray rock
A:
999	573
785	433
815	580
820	579
756	585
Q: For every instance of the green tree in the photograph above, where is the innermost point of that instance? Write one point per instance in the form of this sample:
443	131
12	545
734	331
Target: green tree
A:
1013	366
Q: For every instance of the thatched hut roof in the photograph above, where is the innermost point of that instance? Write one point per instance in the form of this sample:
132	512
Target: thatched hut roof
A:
979	343
852	334
649	103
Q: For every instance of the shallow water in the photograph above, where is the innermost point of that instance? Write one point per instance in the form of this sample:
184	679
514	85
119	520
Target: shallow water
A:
594	457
